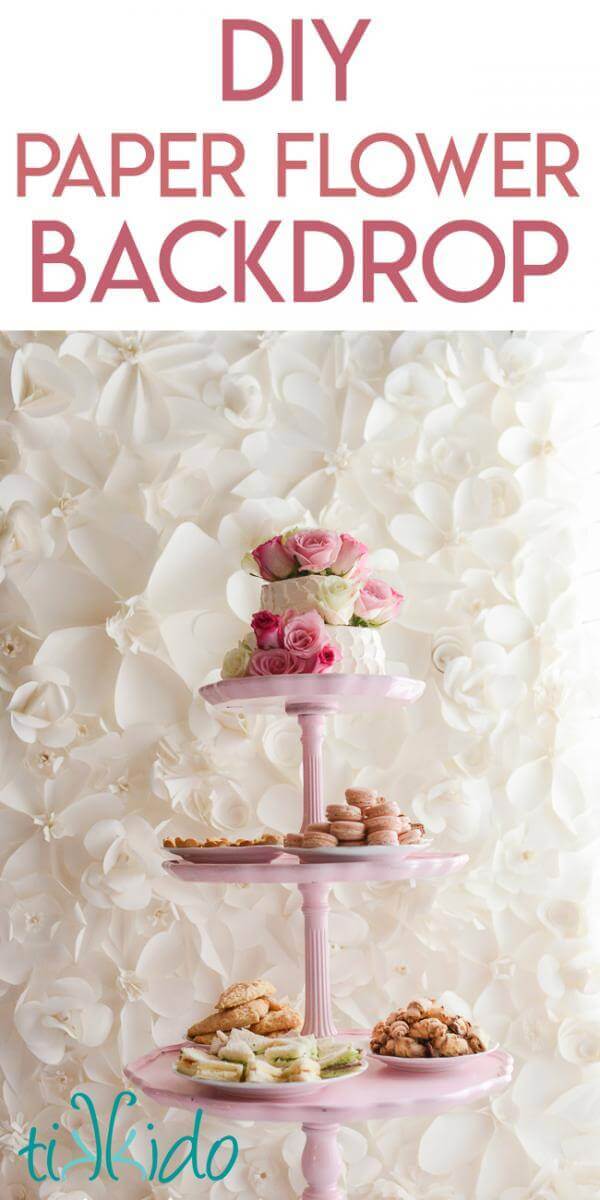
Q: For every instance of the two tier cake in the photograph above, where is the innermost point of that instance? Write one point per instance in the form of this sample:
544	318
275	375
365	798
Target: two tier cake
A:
320	608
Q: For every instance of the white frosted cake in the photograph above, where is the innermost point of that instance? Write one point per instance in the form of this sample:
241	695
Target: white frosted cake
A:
321	608
361	649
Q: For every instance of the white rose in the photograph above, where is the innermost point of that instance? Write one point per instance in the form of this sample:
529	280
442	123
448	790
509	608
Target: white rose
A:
336	596
40	708
479	690
235	663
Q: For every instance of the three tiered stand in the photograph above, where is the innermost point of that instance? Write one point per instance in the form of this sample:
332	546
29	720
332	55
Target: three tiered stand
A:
379	1092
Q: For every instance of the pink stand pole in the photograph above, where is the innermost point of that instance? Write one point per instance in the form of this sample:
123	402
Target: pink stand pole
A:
312	731
315	908
322	1163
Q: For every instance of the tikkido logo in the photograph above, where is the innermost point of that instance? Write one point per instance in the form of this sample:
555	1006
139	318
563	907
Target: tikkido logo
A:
101	1156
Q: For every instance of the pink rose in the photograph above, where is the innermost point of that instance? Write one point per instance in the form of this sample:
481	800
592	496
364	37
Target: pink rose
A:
275	662
315	550
377	602
327	657
352	554
273	560
303	633
267	629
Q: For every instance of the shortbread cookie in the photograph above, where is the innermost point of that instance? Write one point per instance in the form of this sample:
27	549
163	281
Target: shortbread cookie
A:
231	1018
319	841
383	808
278	1022
348	831
343	812
382	837
243	993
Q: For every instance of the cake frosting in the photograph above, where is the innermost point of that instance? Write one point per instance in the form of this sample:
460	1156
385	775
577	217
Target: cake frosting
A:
361	650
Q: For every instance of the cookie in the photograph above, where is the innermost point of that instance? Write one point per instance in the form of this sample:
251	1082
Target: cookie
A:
411	837
318	827
361	796
293	839
243	993
279	1021
383	808
400	824
383	837
343	812
233	1018
319	841
348	831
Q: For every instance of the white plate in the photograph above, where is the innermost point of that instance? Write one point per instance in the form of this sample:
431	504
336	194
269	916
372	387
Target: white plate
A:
272	1091
226	854
357	853
458	1063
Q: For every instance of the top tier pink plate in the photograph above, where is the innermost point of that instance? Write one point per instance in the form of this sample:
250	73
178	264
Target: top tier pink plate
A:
330	693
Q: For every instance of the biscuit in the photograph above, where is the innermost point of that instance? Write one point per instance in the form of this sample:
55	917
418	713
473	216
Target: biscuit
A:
278	1021
232	1018
317	827
343	812
348	831
243	993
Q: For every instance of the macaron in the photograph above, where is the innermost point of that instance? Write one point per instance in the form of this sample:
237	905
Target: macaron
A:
400	824
383	808
348	831
343	812
361	796
411	837
319	841
317	827
383	837
293	839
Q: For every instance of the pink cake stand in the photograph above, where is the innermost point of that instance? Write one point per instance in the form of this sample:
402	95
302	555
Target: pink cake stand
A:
379	1092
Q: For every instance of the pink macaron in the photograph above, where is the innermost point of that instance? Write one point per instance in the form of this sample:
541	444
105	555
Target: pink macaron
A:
383	837
383	808
343	812
399	824
348	831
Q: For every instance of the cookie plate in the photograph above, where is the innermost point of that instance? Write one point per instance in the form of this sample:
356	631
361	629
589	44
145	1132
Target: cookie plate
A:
357	853
226	854
459	1063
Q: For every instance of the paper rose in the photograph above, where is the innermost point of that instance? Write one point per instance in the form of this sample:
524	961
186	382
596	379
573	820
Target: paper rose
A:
41	707
377	602
58	1014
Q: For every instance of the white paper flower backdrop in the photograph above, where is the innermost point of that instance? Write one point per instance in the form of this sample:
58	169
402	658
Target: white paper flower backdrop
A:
136	471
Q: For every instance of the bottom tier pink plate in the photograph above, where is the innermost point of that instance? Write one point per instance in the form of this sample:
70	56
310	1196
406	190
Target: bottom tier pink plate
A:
379	1093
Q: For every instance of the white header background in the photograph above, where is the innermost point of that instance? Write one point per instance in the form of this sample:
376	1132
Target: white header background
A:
445	70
